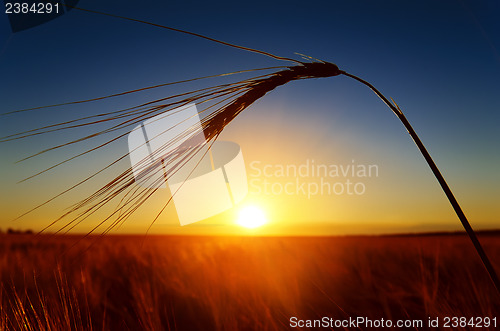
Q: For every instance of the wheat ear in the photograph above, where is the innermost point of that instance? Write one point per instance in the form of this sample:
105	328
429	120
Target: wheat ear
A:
233	98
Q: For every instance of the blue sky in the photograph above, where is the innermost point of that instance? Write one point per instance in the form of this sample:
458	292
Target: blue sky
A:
440	61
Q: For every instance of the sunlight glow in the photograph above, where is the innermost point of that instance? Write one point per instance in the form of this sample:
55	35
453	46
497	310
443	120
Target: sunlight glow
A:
251	217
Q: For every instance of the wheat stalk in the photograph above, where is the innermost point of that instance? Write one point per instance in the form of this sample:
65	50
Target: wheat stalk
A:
449	194
228	100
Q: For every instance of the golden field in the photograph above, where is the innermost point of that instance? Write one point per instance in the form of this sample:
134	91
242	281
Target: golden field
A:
238	283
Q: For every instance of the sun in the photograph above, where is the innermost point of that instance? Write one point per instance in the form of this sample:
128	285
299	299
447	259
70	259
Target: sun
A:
251	217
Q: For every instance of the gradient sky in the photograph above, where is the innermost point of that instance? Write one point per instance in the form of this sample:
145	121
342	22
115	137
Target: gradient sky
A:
440	61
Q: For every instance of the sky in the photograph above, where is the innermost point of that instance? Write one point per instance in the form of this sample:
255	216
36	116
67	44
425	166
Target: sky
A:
440	61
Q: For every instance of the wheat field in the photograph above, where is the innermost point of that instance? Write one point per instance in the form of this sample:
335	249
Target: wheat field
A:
237	283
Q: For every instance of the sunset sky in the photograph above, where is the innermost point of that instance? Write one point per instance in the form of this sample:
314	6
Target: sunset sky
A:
440	61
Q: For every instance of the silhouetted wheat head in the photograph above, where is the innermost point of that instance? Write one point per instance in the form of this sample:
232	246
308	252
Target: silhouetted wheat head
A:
221	104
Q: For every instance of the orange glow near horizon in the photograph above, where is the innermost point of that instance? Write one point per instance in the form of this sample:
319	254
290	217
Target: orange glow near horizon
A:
399	196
